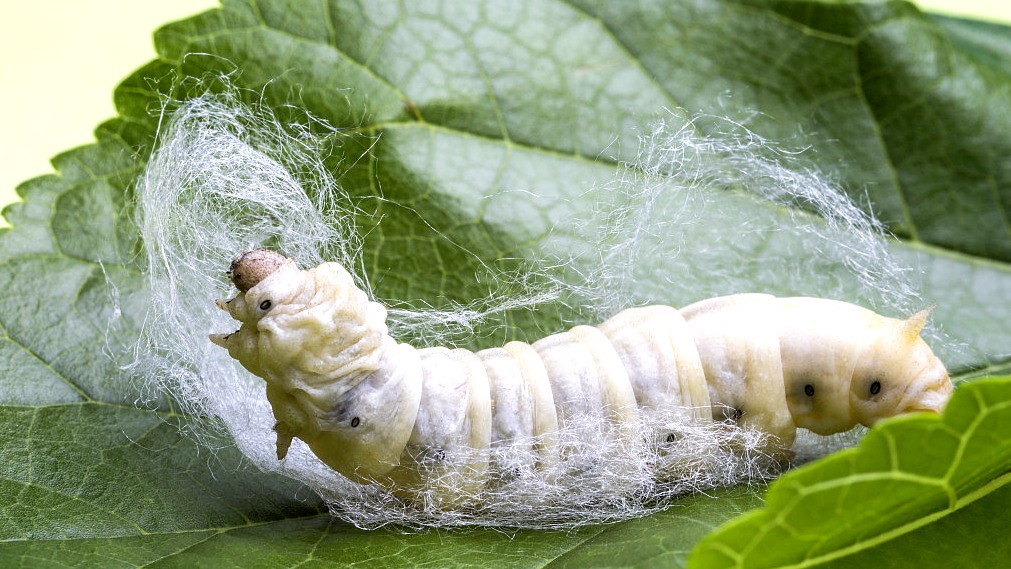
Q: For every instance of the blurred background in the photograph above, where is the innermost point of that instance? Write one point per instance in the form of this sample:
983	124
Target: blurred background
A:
61	59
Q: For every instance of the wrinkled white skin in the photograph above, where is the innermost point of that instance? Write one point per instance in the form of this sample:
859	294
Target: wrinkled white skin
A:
375	410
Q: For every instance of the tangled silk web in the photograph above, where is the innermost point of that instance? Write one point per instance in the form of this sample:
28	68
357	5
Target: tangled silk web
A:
226	177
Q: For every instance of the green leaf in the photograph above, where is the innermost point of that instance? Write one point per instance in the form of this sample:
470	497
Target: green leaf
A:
910	483
462	104
100	471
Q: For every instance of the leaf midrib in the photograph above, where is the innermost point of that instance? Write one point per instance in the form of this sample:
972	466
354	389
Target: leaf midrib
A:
899	531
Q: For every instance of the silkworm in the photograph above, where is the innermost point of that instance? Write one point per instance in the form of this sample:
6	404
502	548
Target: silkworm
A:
369	406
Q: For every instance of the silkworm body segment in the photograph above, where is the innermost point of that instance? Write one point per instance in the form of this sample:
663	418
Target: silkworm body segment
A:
374	409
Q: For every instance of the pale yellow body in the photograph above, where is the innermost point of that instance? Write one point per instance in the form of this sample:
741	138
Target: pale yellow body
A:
380	411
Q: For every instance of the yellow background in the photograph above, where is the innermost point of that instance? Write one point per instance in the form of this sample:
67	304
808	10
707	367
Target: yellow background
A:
61	59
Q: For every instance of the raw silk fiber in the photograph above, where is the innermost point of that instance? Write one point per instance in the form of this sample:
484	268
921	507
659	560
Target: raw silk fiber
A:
226	177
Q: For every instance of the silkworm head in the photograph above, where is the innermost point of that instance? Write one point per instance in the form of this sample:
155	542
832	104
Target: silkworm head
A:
250	268
293	319
275	282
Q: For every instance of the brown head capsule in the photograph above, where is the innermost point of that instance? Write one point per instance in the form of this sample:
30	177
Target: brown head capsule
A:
251	267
